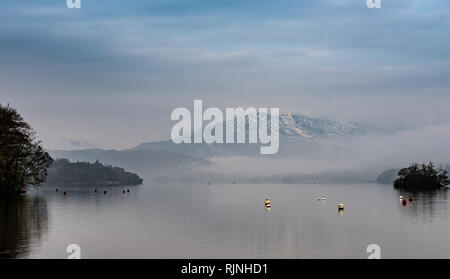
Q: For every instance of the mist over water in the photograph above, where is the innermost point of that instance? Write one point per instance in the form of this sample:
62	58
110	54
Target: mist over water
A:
360	158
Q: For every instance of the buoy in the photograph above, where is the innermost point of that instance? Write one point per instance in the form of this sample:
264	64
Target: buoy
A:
341	206
95	190
123	192
104	192
128	190
56	189
410	199
267	203
65	193
322	198
400	197
404	202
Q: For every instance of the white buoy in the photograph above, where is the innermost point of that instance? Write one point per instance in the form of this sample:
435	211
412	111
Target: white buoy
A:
400	197
341	206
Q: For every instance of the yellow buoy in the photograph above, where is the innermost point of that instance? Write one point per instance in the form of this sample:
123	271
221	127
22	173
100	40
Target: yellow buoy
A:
341	206
267	203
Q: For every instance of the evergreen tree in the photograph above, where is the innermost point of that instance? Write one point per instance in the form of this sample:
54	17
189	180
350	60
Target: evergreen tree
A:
422	177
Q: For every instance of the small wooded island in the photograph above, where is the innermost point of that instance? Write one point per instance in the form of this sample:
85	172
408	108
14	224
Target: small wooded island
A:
421	177
84	173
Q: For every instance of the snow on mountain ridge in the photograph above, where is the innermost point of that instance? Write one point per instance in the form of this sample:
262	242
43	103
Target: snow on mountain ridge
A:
293	127
296	127
300	128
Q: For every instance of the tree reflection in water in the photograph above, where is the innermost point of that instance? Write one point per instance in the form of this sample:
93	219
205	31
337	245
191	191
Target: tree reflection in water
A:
23	220
425	202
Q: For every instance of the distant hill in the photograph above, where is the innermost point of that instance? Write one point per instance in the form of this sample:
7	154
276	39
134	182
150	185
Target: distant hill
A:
141	161
297	133
324	177
388	177
64	172
299	136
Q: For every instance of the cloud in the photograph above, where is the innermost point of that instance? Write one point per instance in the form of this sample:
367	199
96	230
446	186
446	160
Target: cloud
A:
229	52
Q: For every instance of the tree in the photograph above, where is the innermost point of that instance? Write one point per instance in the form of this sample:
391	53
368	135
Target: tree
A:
421	177
84	173
23	160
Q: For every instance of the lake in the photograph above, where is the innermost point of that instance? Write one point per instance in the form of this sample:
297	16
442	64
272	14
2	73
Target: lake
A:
225	221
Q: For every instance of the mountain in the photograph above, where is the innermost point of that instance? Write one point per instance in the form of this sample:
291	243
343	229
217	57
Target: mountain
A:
297	132
299	135
300	128
143	161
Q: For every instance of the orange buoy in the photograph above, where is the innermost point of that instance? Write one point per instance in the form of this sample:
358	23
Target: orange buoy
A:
65	193
128	190
56	189
123	192
104	192
410	199
95	190
404	202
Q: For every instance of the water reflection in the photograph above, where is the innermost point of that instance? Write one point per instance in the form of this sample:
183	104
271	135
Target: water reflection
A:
23	219
226	221
425	205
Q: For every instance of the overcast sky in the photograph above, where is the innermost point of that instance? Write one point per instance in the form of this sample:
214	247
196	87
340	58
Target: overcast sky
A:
109	74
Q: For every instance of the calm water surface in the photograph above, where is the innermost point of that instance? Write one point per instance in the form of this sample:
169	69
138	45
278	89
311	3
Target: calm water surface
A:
225	221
